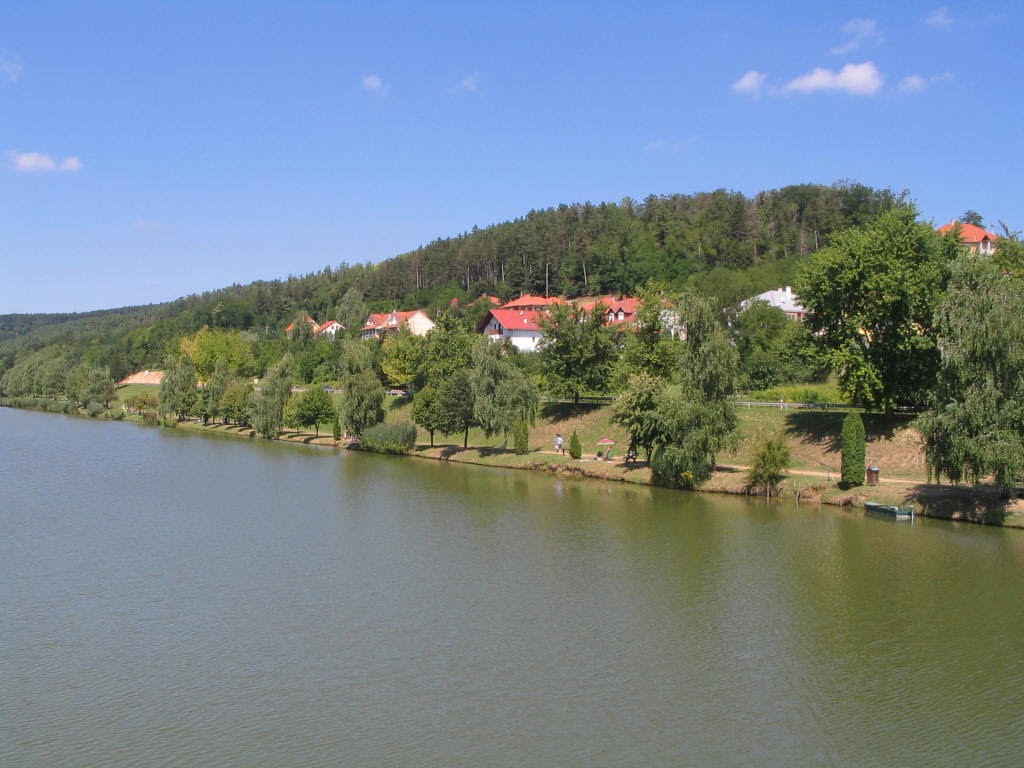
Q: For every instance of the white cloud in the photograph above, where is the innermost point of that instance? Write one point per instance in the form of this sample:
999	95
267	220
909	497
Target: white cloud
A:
859	32
917	83
913	84
939	18
467	84
144	225
375	84
751	83
34	162
858	79
10	68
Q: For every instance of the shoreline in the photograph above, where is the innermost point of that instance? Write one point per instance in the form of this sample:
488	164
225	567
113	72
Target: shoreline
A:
976	505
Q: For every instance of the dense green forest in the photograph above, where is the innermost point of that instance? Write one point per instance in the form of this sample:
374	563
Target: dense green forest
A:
723	244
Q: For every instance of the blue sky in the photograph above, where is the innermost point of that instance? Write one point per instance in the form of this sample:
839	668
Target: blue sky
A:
154	150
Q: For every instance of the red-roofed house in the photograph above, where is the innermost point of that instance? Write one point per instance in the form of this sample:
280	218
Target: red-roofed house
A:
520	327
379	323
973	236
331	327
313	325
616	310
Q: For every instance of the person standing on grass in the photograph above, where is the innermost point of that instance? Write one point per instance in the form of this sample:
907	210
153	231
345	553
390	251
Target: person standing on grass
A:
558	444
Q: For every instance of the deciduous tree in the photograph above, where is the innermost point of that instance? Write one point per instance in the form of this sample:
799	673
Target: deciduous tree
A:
975	425
870	297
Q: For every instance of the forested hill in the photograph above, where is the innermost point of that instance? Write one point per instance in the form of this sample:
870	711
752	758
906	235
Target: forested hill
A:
723	243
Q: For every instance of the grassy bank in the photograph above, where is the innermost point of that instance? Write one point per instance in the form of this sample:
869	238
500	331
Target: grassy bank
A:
813	437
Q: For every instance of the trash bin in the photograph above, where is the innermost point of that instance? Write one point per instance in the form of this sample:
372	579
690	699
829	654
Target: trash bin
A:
872	475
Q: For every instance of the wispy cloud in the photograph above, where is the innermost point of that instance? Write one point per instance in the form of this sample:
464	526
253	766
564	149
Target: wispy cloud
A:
146	225
36	162
374	83
859	32
857	79
751	83
917	83
10	67
939	18
468	84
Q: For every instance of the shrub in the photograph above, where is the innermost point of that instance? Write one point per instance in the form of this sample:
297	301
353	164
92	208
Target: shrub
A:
575	449
521	437
94	409
336	426
116	415
674	467
150	418
396	438
853	451
771	460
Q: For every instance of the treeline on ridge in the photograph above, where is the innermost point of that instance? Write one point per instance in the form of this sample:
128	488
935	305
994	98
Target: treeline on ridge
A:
723	244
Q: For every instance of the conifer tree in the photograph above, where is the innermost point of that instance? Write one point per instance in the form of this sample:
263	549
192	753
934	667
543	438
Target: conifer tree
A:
853	450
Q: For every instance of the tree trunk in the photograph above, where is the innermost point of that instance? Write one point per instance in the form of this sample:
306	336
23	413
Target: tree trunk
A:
465	439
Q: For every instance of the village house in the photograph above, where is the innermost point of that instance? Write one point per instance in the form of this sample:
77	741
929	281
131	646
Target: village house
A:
331	327
974	237
380	323
518	322
781	298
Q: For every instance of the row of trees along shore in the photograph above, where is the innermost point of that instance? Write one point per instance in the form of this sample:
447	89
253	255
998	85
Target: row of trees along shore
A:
892	314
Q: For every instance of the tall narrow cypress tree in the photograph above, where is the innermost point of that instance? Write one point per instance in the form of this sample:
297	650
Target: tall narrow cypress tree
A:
853	450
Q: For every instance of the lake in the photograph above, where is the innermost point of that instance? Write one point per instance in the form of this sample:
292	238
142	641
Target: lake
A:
177	599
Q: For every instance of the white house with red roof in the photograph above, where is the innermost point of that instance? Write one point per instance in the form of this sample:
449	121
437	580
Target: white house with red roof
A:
518	321
380	323
974	237
518	327
331	327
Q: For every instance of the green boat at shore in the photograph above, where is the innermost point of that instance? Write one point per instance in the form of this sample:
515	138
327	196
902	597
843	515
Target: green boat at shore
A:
889	510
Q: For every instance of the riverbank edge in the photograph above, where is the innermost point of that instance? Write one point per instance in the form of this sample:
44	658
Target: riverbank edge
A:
981	506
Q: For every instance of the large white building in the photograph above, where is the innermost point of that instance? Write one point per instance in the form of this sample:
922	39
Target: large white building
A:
781	298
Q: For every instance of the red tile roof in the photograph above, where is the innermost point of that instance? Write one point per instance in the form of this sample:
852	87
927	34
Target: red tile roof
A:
969	233
382	319
512	319
324	326
528	301
310	320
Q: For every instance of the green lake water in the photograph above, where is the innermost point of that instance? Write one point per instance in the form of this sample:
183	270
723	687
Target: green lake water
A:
173	599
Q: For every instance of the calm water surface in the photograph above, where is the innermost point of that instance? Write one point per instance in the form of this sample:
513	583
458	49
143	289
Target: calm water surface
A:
181	600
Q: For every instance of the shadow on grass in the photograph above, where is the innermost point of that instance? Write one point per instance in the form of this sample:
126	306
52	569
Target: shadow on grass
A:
826	429
558	412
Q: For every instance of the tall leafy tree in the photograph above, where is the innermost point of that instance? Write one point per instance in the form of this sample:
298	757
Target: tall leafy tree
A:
266	405
870	298
975	426
178	388
695	416
502	394
653	347
448	348
455	404
401	355
315	409
576	351
363	403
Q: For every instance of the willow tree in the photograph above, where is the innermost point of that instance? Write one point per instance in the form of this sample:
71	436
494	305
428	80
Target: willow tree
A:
975	426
